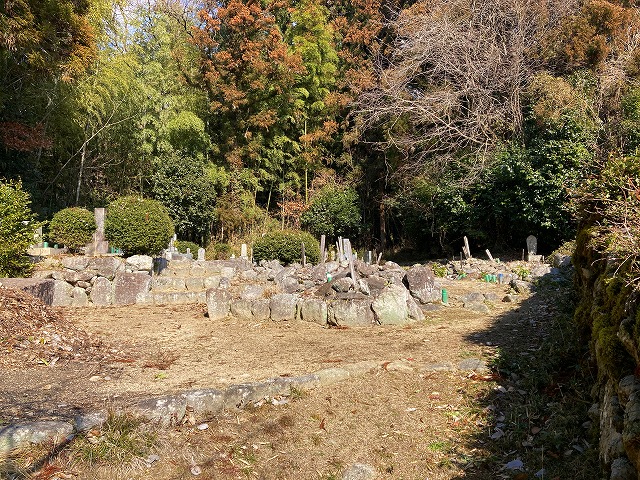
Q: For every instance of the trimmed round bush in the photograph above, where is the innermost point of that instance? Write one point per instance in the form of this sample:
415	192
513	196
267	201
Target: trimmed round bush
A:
17	227
73	227
182	246
286	246
138	226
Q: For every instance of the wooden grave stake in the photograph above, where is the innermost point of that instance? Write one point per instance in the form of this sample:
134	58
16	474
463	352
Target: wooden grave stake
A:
489	255
466	249
349	254
304	256
323	239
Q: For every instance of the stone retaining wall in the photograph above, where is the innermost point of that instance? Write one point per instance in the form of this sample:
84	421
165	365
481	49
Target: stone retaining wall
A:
112	280
609	317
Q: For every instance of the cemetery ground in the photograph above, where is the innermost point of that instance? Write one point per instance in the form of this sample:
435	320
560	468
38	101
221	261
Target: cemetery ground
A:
417	413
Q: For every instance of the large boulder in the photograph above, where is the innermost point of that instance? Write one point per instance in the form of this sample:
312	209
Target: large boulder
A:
252	291
106	266
421	283
283	307
241	309
391	307
395	276
172	284
128	286
75	276
313	310
102	291
342	285
218	303
350	312
140	262
62	293
260	309
76	263
79	297
365	269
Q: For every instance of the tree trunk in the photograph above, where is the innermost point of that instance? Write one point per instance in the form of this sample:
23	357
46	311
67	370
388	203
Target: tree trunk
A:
82	158
383	226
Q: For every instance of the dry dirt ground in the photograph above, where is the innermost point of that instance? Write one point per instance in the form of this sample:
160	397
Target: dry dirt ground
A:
414	424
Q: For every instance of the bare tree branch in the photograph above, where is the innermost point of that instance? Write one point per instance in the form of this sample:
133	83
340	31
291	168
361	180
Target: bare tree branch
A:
455	76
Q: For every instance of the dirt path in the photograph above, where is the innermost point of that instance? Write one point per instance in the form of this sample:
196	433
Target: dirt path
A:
155	350
406	424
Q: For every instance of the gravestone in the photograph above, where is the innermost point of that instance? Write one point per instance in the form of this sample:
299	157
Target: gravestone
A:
532	249
532	245
99	245
201	254
368	257
243	251
37	237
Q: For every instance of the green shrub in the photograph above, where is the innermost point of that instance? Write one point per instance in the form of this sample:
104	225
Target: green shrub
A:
72	227
138	226
17	227
218	251
286	246
333	212
182	246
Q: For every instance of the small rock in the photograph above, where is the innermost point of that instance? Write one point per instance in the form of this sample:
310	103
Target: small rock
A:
342	285
196	470
475	297
95	378
203	426
359	471
491	297
520	286
474	364
151	459
514	465
508	299
364	287
477	307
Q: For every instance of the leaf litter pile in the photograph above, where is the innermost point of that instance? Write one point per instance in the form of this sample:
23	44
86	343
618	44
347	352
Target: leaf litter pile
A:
33	333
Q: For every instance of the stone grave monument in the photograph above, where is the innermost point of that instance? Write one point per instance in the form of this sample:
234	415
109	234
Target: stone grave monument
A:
532	249
99	245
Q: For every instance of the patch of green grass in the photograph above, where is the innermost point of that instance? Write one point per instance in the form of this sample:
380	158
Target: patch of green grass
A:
439	446
122	438
296	393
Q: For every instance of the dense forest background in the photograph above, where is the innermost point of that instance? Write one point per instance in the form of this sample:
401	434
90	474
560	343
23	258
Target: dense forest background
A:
403	125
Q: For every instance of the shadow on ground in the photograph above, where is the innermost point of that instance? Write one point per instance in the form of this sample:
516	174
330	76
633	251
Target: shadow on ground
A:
537	424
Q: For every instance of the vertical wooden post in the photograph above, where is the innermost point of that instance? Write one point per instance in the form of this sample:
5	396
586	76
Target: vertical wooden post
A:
323	239
304	256
349	254
466	249
489	255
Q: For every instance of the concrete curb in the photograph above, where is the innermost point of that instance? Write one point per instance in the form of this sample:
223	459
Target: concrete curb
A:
196	405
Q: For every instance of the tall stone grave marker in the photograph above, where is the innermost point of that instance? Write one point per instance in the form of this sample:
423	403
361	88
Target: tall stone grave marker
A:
99	245
532	249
